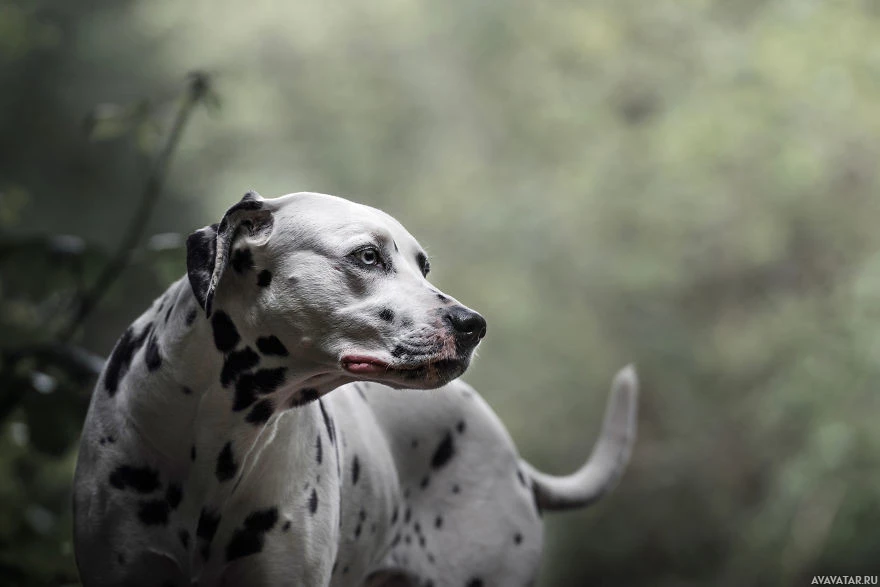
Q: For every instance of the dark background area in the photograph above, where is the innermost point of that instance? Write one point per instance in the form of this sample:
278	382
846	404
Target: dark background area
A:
690	185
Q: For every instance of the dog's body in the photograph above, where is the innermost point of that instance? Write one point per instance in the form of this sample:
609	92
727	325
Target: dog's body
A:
214	454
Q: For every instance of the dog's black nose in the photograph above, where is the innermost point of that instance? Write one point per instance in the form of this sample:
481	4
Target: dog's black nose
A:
467	325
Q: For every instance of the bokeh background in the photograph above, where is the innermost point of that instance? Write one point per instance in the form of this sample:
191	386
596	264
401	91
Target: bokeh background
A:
690	185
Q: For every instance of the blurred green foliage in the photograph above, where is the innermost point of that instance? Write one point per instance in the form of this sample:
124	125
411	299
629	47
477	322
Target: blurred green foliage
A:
690	184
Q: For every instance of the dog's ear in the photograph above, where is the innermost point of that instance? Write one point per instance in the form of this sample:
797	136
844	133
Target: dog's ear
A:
207	249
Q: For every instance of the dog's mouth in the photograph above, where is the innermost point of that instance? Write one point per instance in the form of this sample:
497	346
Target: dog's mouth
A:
428	369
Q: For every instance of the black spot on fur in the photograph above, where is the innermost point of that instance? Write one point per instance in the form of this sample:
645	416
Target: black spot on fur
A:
387	315
425	480
261	411
226	465
186	390
242	260
328	422
152	357
438	522
261	382
407	515
475	583
442	298
522	478
184	538
250	539
304	396
319	456
191	317
153	512
270	345
460	426
168	313
408	539
313	502
355	470
357	531
444	452
236	363
140	479
423	264
120	359
286	526
225	334
394	515
174	495
264	278
207	527
455	489
517	538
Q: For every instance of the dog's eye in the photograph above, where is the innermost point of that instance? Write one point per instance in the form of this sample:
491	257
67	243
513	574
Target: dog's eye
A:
369	256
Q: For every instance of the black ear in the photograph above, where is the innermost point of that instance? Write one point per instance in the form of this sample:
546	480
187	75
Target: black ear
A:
207	249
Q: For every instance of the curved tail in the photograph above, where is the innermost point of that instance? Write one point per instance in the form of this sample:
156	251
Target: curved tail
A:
609	457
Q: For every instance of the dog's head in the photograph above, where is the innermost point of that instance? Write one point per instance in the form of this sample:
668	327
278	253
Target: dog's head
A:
338	287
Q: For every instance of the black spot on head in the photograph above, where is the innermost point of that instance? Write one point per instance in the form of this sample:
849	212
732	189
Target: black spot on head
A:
313	502
443	453
414	443
153	512
386	314
407	515
286	526
140	479
173	495
270	345
152	357
422	541
357	531
355	470
120	359
438	522
424	265
226	465
319	452
225	334
242	260
249	385
191	317
456	489
475	583
517	538
261	411
425	480
184	538
250	539
522	478
168	313
264	278
236	363
408	539
304	396
394	515
460	427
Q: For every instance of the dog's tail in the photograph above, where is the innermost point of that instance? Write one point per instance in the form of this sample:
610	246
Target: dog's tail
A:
609	458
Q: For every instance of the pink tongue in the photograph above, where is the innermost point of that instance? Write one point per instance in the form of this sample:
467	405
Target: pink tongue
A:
364	368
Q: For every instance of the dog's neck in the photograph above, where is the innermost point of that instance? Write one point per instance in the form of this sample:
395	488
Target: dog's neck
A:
211	381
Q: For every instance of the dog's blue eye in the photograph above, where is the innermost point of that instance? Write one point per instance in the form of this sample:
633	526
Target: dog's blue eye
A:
368	256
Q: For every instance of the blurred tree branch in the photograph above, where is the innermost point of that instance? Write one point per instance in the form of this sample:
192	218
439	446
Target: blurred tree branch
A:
199	90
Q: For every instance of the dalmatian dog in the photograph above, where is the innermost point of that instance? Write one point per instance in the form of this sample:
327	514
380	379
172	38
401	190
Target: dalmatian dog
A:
265	422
